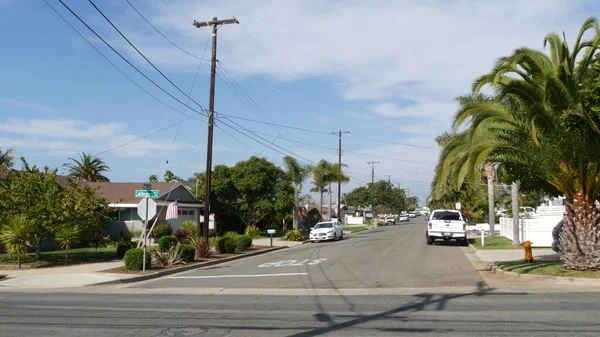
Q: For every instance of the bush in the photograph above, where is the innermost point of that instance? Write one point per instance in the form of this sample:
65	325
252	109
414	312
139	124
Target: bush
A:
225	245
190	226
252	231
188	253
161	229
243	242
294	235
123	247
183	235
134	259
231	234
203	248
166	242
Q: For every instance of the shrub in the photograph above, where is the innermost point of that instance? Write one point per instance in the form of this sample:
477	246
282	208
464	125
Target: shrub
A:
188	253
225	245
161	229
123	247
169	257
182	235
166	242
203	248
252	231
231	234
134	259
191	226
243	242
294	235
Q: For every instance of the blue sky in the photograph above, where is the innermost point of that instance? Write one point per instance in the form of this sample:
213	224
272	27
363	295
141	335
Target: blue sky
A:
383	70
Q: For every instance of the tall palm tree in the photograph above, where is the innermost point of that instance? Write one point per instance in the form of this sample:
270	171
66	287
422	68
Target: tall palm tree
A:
557	129
335	175
297	173
87	167
6	159
320	180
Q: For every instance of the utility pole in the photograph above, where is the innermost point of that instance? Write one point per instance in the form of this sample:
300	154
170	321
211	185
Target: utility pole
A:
389	176
340	173
372	163
211	114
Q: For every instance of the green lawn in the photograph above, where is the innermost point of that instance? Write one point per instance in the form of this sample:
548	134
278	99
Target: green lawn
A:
353	228
57	257
548	268
494	242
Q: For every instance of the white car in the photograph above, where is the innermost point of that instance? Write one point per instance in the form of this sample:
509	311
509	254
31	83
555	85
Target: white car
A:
403	217
447	225
326	231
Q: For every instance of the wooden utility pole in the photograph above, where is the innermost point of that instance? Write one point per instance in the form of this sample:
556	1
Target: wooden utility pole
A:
372	163
339	173
211	115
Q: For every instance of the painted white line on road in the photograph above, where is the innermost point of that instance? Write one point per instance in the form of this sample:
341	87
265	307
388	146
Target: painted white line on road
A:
235	276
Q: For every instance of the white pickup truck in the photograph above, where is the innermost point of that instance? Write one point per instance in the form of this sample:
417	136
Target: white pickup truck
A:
447	225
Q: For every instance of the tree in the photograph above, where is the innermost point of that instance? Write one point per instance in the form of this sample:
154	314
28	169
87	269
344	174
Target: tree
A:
6	159
66	236
320	179
153	179
170	176
358	197
380	195
88	168
335	175
296	173
15	236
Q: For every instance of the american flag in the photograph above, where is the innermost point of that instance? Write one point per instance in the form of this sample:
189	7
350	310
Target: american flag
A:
171	211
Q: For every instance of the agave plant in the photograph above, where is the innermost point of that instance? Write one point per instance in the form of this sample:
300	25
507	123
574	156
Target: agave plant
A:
15	235
169	257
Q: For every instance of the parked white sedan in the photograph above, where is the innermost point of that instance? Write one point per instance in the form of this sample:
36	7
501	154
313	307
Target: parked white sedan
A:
326	231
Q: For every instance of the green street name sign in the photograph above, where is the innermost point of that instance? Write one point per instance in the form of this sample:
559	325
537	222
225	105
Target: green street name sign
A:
147	193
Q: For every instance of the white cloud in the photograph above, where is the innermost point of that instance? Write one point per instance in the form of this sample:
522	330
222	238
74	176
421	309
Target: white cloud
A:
19	104
66	137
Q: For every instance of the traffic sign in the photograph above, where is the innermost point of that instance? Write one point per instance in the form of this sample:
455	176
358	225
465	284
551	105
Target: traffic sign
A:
141	210
147	193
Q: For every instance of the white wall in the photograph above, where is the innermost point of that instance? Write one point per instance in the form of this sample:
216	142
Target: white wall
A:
354	220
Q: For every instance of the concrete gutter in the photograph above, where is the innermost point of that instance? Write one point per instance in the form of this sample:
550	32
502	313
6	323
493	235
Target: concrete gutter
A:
187	268
576	281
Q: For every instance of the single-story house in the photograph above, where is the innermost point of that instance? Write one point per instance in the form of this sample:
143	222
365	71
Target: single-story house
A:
127	219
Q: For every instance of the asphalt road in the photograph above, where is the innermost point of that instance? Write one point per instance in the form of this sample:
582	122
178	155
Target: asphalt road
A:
385	257
459	315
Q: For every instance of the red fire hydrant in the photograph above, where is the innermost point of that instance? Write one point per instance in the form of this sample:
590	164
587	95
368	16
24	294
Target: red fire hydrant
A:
528	252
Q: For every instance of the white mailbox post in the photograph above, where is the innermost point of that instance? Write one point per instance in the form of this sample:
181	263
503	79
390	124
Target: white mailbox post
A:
271	232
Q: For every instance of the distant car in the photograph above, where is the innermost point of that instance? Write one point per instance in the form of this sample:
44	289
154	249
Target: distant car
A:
403	217
447	225
556	247
328	230
412	214
390	220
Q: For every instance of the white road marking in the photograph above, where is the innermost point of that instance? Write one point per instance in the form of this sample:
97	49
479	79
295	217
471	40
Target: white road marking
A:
291	263
235	276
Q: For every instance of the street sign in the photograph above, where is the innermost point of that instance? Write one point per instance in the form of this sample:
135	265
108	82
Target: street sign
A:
147	193
457	206
141	210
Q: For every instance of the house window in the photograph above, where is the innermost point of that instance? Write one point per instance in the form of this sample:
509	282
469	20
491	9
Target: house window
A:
185	212
125	214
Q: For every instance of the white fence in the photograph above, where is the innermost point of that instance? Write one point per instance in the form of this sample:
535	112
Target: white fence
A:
537	229
354	220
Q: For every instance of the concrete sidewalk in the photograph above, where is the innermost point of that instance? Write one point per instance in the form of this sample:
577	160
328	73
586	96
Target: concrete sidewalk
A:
498	255
62	277
277	242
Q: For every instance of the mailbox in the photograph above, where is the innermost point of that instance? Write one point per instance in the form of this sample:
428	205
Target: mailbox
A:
271	231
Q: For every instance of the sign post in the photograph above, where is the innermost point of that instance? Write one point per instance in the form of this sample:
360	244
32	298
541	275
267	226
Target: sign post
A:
146	210
271	232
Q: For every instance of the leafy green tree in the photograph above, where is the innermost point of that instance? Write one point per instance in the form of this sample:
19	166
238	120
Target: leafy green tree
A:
66	236
297	174
15	235
6	159
170	176
380	195
153	179
358	197
88	168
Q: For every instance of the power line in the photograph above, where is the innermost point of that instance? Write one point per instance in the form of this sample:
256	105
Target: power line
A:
394	143
163	35
127	61
142	55
372	163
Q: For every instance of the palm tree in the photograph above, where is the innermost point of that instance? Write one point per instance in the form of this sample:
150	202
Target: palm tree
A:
335	175
66	236
15	236
88	168
320	179
297	173
6	159
554	131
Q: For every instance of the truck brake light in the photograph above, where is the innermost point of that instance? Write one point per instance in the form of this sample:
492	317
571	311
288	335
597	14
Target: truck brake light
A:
430	225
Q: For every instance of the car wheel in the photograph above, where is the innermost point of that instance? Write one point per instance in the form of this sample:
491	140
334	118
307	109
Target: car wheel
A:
430	240
464	243
334	236
342	236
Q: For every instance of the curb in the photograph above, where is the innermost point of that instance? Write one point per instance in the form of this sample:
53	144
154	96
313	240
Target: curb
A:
187	268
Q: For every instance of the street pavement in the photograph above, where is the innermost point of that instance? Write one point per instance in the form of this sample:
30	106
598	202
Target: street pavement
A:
384	257
381	282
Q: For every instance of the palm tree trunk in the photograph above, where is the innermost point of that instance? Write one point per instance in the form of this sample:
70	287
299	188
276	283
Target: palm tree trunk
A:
329	208
321	201
515	210
580	238
295	221
491	175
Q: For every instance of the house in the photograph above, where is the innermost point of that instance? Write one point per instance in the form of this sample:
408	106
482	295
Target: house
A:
122	196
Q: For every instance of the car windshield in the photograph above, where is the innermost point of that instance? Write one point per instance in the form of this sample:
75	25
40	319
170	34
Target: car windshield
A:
324	225
445	215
